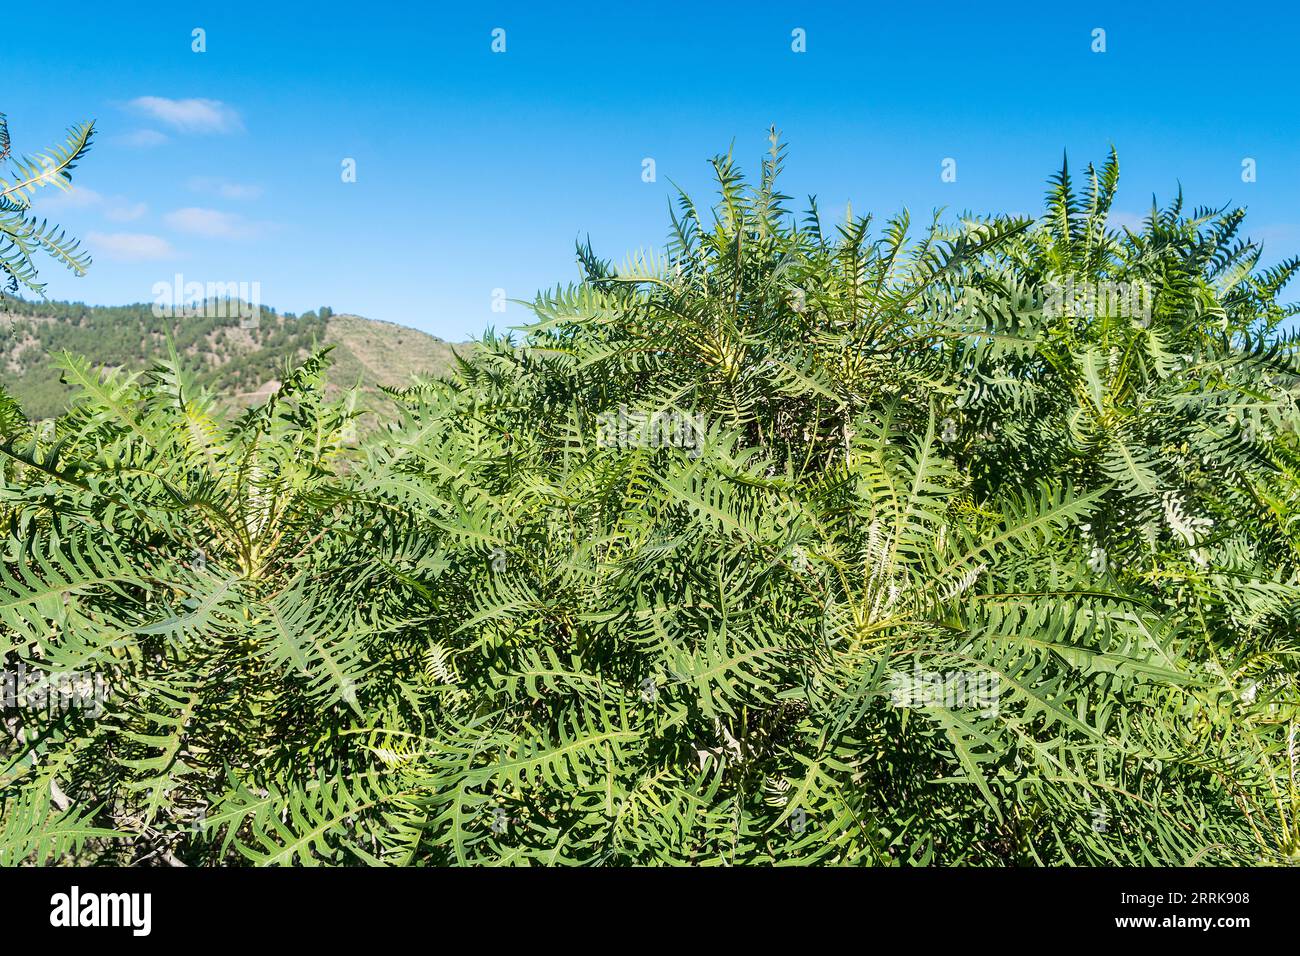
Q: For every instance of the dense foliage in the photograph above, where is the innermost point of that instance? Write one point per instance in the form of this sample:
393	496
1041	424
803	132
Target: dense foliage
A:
667	579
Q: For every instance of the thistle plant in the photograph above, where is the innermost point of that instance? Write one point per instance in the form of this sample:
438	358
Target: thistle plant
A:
22	233
955	568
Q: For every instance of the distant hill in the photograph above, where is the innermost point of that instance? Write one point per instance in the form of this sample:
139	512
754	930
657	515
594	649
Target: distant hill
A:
241	364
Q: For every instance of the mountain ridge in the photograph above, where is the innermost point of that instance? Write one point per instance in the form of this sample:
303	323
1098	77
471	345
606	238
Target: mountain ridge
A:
241	364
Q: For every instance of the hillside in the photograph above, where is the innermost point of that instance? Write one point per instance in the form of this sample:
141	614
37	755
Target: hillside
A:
240	364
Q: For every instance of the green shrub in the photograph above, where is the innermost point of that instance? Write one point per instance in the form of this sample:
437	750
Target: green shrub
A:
795	543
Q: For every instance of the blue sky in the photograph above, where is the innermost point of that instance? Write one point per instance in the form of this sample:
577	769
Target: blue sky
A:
476	171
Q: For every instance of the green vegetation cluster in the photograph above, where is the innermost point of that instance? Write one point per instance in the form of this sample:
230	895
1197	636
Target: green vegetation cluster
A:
507	629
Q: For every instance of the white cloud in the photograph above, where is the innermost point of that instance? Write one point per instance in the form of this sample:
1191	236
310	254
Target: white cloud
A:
116	208
1278	234
190	116
211	223
78	197
130	246
142	139
121	210
240	191
1119	219
225	189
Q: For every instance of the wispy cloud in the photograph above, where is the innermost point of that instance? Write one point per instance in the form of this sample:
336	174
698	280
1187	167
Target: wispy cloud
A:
120	210
130	246
79	197
212	224
225	189
1121	219
1284	235
190	116
115	208
142	139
